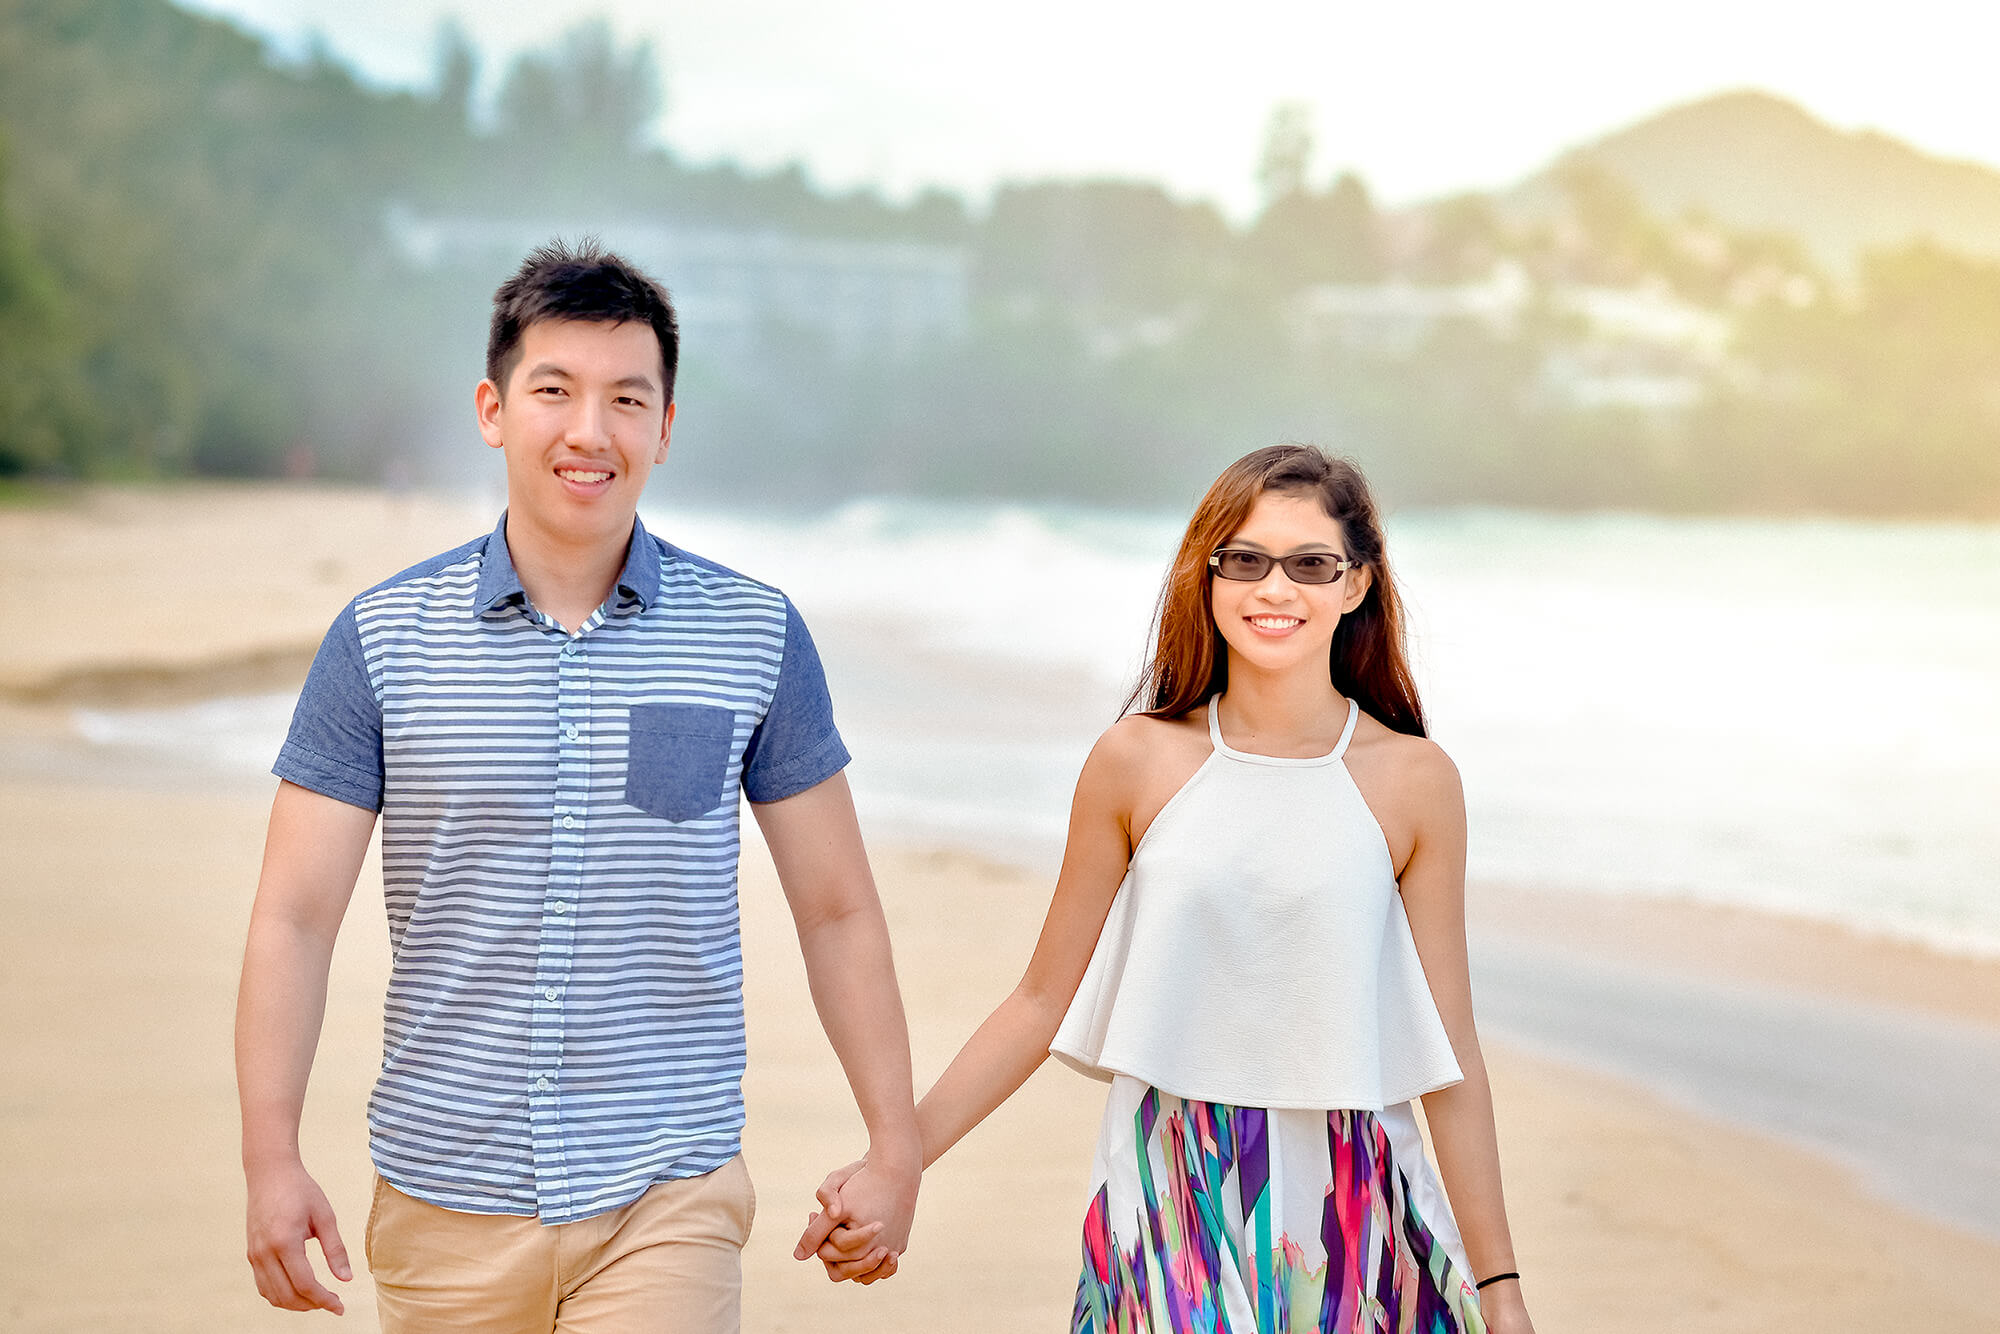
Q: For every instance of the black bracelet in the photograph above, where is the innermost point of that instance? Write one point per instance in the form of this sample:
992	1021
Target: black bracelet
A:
1495	1279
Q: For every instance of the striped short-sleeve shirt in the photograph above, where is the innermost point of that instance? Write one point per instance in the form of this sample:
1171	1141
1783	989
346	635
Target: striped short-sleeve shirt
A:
564	1021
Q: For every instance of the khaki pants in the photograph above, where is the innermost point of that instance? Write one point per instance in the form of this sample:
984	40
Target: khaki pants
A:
670	1262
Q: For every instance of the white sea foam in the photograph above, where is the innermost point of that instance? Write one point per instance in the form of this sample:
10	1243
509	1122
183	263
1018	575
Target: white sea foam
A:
1045	586
238	732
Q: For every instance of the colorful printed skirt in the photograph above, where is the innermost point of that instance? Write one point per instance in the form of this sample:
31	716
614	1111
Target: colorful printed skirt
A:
1210	1218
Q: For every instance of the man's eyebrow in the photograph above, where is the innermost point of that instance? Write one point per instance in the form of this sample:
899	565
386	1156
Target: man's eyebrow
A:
549	369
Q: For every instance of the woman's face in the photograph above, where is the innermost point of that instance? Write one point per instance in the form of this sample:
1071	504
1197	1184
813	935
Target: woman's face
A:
1275	624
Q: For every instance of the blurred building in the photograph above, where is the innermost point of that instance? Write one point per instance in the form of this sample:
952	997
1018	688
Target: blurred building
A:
1640	347
733	289
1397	316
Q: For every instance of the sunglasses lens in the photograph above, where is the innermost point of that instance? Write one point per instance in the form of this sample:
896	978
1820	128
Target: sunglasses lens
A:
1312	568
1246	565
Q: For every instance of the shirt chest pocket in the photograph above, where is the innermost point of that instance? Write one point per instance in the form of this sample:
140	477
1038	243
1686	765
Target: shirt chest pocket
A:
678	758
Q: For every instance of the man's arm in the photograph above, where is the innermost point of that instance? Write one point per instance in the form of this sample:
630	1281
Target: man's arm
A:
312	855
815	843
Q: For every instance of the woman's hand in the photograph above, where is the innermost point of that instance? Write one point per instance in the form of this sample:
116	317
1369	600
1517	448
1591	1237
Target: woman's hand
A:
1504	1309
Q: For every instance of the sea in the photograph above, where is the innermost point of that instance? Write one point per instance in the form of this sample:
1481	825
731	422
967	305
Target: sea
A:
1800	716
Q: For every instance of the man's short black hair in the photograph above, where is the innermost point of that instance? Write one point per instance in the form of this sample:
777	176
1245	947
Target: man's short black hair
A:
580	282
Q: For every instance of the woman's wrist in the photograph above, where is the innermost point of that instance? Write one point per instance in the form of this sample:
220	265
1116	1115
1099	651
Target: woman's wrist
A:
1503	1307
900	1149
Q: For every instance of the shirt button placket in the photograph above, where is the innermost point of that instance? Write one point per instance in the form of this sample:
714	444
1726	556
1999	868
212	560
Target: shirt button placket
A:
558	926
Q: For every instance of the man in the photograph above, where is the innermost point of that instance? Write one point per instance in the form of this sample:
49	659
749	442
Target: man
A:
553	722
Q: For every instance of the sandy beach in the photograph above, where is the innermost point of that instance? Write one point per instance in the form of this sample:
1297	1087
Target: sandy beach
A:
127	887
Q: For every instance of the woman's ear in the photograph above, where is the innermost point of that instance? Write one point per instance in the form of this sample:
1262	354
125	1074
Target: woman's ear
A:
1354	587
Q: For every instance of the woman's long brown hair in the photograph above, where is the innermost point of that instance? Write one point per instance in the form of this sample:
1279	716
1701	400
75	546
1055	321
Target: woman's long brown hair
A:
1369	660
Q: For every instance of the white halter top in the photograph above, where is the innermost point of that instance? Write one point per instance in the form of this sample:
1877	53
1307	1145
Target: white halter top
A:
1257	952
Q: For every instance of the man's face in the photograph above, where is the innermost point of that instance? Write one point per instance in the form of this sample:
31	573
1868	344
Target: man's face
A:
582	422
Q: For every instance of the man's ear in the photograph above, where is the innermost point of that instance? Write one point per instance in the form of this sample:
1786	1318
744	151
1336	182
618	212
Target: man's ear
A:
486	402
666	433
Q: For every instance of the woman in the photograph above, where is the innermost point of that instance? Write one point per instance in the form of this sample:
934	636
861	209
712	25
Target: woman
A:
1258	938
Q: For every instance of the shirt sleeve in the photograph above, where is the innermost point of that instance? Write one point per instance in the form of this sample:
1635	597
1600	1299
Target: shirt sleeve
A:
796	746
335	744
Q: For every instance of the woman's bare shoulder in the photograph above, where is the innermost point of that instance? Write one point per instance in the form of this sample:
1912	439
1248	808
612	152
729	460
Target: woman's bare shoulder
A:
1410	784
1138	765
1415	765
1141	740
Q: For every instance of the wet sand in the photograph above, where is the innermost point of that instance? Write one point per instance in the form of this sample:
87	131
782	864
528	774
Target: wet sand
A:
131	595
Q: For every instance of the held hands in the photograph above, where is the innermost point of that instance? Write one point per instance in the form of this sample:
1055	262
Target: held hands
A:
864	1226
287	1206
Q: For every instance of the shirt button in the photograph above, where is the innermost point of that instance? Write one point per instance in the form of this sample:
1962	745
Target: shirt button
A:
570	650
570	731
569	822
543	1084
550	994
561	907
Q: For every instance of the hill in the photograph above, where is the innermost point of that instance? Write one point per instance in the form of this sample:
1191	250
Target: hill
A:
1753	160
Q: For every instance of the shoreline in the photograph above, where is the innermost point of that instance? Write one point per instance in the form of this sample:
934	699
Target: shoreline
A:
1875	962
237	581
1729	943
1880	961
132	685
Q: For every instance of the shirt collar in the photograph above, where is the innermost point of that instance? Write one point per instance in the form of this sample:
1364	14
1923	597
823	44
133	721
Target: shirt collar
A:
641	575
498	580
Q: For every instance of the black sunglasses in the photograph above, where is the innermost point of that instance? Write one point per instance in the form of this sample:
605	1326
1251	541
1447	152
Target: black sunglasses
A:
1307	567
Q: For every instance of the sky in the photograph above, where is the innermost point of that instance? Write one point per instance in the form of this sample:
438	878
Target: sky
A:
1422	99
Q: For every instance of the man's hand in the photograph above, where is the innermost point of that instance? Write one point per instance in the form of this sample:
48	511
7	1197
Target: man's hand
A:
864	1225
286	1207
823	1224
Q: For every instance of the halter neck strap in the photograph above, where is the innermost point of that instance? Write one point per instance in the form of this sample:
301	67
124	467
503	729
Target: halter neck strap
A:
1347	732
1224	748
